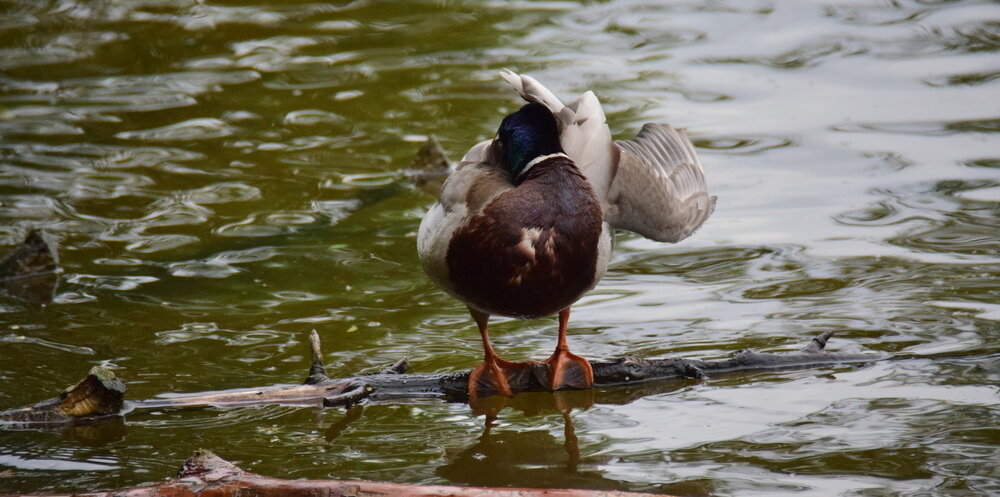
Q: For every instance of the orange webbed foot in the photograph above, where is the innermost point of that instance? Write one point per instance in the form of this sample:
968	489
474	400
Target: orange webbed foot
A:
568	370
497	376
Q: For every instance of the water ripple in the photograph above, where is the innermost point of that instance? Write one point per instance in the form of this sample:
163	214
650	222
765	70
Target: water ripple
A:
74	349
924	128
59	49
192	129
746	144
117	283
223	193
313	117
223	264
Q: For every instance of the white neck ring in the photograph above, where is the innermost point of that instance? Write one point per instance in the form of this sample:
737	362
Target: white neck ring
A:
538	159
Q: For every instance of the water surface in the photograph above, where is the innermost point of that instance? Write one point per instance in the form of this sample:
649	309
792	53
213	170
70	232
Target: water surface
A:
224	177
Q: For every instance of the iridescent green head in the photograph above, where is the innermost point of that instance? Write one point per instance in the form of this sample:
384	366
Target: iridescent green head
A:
526	134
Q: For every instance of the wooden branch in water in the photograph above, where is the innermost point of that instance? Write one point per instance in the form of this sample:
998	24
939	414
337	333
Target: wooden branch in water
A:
205	473
99	396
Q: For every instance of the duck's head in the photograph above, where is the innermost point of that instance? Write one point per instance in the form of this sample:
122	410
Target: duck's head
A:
526	134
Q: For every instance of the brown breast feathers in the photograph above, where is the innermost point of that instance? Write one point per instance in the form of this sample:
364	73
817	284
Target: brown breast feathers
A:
532	251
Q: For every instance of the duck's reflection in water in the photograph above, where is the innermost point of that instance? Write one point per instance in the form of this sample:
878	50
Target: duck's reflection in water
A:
537	457
532	458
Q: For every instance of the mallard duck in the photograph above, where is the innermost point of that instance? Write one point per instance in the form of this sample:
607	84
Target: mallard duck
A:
523	226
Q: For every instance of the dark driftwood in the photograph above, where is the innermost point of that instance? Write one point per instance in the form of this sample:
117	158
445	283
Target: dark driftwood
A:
99	396
206	474
29	272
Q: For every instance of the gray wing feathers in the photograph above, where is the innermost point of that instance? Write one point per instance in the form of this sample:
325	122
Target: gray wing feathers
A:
659	188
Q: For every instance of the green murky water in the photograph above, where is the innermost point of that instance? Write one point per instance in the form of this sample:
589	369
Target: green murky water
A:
223	177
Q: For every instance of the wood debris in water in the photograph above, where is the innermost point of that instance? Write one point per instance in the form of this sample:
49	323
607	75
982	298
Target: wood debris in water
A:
29	272
100	395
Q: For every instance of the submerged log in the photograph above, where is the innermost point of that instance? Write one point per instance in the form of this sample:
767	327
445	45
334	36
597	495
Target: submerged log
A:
205	473
100	394
29	272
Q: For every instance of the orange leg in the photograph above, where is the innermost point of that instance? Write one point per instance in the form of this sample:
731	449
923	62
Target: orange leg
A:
567	369
494	373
